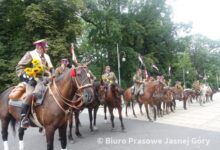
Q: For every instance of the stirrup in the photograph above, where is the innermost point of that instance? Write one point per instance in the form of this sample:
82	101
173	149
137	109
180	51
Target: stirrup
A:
25	123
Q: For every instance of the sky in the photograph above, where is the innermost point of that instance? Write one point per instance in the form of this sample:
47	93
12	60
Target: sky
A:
203	14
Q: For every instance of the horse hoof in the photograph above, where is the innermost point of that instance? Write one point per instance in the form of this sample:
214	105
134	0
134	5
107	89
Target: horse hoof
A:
123	129
72	141
113	129
79	135
95	128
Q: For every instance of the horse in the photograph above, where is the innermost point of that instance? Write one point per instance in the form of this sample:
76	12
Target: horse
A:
128	97
99	89
147	97
113	100
178	95
165	97
71	90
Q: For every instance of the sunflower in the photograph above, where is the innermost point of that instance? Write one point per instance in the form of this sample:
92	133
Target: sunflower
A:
35	62
40	68
36	70
27	70
32	74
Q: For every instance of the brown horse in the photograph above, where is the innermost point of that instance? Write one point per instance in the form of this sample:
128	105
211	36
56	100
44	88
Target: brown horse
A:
165	97
113	100
129	98
99	89
64	93
151	90
178	95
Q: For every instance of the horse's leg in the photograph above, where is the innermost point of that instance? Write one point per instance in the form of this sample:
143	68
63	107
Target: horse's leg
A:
126	109
132	105
77	124
164	105
120	117
211	97
147	111
4	125
70	120
63	138
174	104
112	116
50	137
95	114
155	112
90	119
161	111
105	117
21	136
184	103
140	106
171	108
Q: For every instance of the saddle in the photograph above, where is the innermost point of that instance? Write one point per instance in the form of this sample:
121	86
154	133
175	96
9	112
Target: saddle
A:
18	93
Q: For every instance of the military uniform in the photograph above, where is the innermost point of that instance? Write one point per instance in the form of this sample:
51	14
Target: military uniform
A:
138	85
109	78
60	70
33	85
196	86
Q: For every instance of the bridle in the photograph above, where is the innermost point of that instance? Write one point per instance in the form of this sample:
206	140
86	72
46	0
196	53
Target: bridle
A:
76	104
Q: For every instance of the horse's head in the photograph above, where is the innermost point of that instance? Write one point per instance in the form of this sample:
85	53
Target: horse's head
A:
168	94
159	90
117	90
159	86
100	89
84	86
177	93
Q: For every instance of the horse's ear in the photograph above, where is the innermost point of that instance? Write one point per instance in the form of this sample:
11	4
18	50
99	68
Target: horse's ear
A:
101	82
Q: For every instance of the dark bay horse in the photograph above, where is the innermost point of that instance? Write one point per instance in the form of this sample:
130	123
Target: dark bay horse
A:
113	100
99	89
64	93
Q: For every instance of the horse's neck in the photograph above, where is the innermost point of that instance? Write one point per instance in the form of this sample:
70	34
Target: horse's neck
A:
151	87
64	85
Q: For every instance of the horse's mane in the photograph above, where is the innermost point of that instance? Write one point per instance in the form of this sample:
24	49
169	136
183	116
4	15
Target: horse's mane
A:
60	77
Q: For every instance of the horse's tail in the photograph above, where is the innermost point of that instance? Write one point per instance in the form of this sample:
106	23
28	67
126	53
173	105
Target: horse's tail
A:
13	125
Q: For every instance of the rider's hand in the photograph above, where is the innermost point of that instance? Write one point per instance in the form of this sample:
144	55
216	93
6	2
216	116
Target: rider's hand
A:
24	77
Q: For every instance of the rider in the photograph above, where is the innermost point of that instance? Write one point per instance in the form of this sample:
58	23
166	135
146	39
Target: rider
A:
62	68
196	86
109	76
138	83
34	83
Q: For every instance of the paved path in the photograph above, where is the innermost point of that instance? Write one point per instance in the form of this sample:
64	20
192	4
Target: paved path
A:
205	117
182	130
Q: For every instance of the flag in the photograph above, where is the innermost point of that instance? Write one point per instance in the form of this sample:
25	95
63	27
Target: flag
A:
155	67
169	69
145	72
140	59
73	53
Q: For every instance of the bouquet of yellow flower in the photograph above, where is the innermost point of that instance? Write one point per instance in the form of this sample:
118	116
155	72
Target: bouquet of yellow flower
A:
36	71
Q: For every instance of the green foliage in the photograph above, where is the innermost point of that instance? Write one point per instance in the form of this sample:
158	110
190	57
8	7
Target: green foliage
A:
96	27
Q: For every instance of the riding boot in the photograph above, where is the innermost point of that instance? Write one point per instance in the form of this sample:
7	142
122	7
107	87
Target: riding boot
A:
24	115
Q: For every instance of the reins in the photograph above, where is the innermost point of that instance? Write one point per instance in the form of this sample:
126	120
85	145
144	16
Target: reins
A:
68	102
